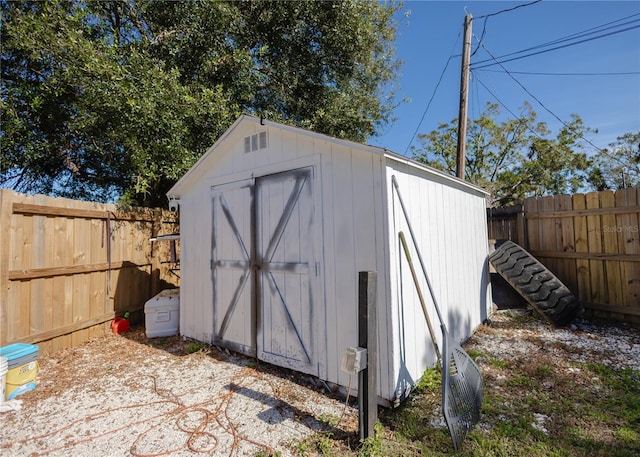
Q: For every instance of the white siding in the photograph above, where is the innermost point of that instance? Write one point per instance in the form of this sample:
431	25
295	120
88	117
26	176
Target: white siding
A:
450	227
354	241
358	218
196	292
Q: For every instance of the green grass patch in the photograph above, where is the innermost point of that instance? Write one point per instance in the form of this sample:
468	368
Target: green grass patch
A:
195	347
538	406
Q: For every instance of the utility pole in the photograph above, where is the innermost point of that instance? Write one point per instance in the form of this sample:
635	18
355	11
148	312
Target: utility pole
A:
464	92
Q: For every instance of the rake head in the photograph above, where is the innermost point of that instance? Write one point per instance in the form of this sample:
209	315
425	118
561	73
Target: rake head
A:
462	390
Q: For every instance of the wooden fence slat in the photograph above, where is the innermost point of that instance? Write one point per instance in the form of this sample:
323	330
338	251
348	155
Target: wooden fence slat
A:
21	323
566	241
76	327
621	310
45	210
586	255
533	227
613	278
548	233
54	267
627	228
633	246
594	236
34	273
6	231
97	280
586	212
581	247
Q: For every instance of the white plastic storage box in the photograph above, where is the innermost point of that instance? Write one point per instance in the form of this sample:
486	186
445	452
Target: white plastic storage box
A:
162	314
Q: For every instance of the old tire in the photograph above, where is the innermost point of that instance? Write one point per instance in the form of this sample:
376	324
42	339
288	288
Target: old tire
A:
537	285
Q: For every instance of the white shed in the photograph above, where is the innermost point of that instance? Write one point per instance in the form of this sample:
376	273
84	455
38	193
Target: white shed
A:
275	224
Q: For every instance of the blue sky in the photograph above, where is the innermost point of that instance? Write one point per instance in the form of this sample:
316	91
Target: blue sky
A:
430	32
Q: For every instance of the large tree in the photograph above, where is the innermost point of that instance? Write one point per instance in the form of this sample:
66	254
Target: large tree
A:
514	158
107	99
618	166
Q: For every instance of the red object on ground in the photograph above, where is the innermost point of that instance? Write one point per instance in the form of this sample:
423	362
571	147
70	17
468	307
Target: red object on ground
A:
120	325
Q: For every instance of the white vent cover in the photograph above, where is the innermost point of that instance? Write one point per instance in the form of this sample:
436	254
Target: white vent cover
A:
255	142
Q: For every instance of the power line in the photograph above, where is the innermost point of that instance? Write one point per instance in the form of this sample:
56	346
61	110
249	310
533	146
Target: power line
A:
424	113
539	73
495	60
581	34
509	9
604	151
505	106
536	98
584	33
487	16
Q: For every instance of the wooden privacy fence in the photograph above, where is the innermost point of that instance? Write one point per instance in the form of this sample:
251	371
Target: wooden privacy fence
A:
67	267
590	241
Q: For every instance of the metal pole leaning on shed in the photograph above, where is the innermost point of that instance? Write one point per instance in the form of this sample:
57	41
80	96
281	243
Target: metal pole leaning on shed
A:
368	338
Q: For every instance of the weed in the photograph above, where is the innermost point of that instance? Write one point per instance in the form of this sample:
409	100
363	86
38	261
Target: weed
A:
628	435
269	454
303	448
521	380
329	419
195	347
430	380
543	371
522	317
498	363
324	444
372	446
475	354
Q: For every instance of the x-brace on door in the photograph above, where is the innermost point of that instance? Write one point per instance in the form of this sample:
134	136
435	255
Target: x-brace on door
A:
264	268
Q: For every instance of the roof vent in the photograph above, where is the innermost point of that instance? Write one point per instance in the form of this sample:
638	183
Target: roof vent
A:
255	142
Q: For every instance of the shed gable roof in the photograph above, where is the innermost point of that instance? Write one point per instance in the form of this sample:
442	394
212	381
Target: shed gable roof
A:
200	168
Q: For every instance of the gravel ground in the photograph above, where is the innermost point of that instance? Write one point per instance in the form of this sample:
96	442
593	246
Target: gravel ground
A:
510	335
115	396
119	395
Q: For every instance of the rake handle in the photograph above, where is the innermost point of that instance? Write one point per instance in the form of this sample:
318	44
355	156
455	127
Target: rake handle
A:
420	296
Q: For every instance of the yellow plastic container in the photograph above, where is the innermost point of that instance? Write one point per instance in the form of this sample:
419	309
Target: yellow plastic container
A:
22	368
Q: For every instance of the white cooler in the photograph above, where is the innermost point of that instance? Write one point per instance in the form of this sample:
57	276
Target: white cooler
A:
162	314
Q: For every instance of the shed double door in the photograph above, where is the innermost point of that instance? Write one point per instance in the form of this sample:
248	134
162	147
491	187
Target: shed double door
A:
264	269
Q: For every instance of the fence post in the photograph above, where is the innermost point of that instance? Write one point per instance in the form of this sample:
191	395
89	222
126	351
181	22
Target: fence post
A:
6	197
367	338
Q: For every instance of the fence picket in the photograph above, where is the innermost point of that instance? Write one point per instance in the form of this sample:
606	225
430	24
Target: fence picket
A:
627	229
54	268
581	246
613	278
590	241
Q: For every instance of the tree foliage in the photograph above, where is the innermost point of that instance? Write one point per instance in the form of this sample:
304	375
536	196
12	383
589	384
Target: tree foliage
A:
512	159
102	99
618	166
